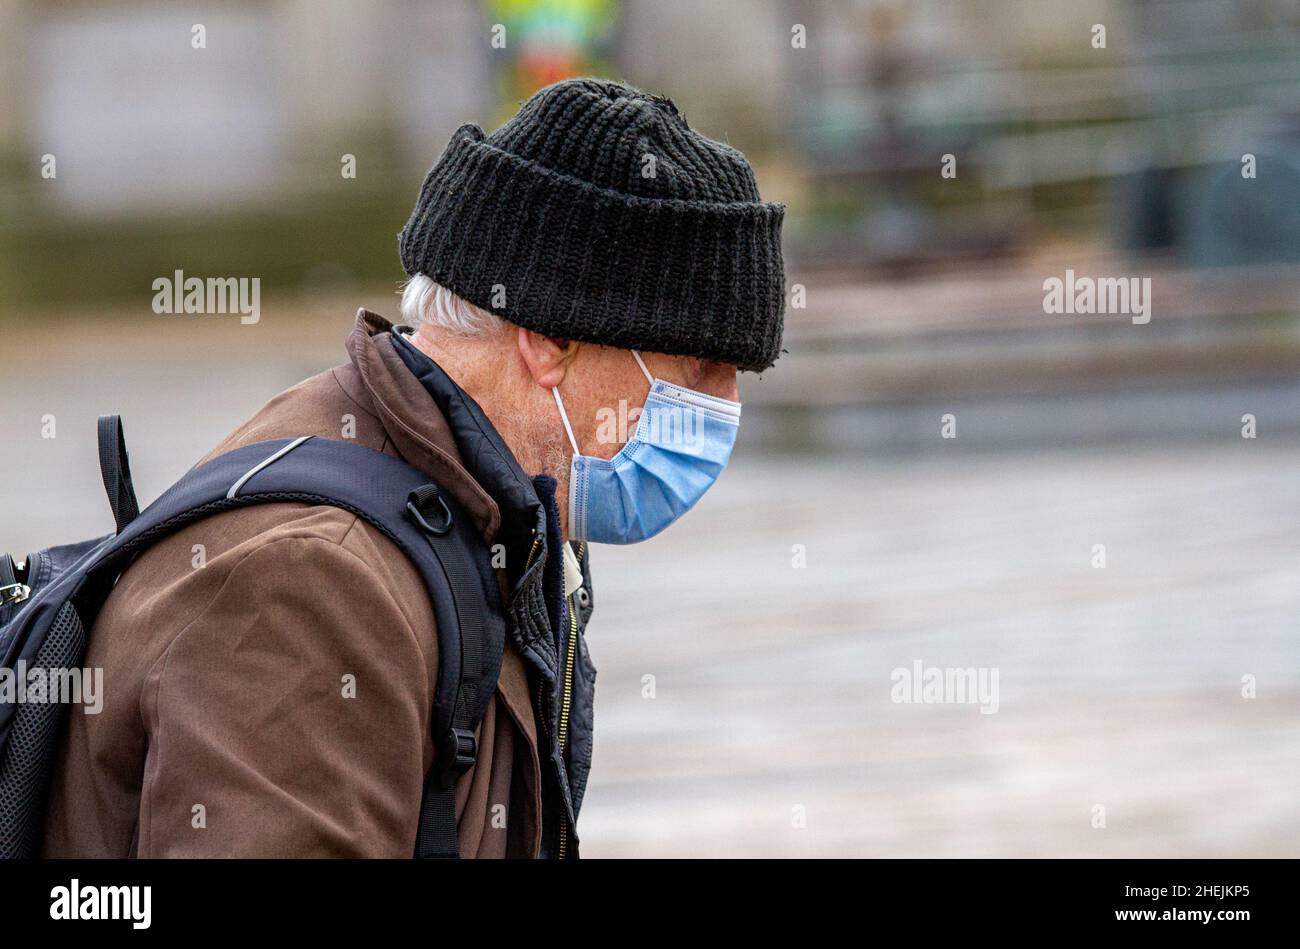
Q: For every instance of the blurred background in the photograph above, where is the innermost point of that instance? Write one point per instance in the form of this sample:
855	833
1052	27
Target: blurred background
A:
939	161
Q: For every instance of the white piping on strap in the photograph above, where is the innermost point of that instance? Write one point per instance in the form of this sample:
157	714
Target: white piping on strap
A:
234	488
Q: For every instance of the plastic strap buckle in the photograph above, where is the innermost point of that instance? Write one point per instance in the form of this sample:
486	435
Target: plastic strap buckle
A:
459	752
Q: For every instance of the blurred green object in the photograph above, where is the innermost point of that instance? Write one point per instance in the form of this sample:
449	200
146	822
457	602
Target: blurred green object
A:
546	41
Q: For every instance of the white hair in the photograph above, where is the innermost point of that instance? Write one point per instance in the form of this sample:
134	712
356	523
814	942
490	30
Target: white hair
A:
424	301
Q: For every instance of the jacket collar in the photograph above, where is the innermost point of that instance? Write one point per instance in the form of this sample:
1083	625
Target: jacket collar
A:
487	457
422	437
456	445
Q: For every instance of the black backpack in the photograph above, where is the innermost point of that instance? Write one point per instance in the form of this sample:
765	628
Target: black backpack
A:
49	603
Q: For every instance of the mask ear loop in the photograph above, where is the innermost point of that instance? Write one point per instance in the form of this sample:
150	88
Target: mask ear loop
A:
564	417
641	362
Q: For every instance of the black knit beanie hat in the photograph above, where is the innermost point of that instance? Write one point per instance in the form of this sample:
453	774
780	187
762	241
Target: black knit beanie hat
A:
596	213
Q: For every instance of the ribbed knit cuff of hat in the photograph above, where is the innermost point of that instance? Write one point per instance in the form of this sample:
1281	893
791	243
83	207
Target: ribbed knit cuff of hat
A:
590	260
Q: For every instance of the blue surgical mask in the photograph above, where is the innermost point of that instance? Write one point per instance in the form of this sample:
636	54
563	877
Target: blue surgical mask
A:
681	444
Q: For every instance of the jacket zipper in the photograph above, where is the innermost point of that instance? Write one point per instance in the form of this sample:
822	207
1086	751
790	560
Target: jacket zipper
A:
537	542
566	703
541	713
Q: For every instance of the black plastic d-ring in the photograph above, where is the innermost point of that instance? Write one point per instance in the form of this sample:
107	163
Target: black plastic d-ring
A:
418	499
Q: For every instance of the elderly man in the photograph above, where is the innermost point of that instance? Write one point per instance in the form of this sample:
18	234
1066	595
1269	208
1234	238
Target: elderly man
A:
593	255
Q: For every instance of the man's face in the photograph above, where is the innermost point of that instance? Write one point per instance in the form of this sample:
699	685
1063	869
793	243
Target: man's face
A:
603	380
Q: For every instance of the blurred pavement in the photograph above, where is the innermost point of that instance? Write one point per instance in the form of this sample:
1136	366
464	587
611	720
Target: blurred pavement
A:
1119	686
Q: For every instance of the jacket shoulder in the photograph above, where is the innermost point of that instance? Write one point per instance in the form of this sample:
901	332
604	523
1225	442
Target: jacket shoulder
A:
193	571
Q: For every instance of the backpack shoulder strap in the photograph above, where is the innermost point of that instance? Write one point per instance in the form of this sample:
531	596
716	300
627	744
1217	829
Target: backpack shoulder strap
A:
423	520
115	469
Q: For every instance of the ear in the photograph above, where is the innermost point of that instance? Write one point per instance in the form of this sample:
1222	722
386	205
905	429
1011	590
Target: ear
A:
546	357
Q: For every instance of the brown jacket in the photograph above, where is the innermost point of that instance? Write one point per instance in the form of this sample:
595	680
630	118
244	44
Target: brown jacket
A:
225	730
